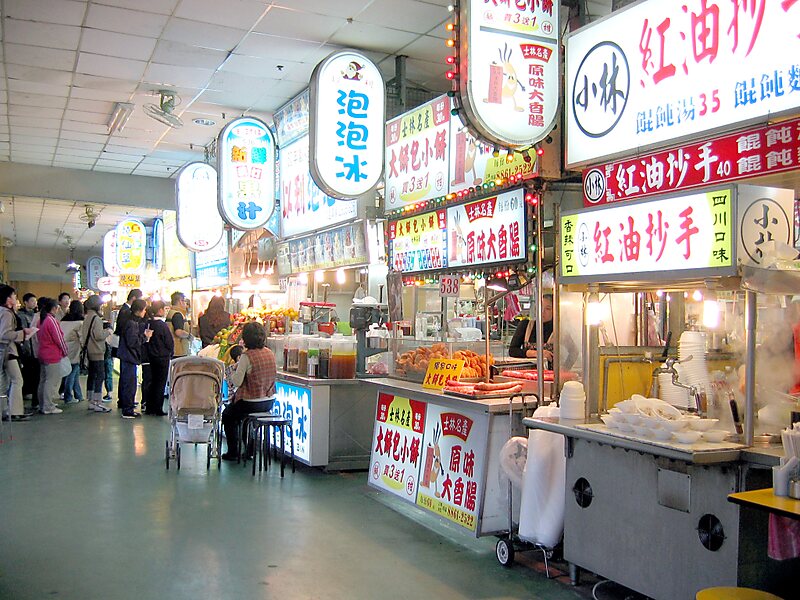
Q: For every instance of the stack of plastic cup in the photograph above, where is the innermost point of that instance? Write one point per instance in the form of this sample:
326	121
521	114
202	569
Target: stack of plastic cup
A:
572	400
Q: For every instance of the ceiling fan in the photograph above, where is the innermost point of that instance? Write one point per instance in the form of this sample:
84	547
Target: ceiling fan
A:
162	112
89	216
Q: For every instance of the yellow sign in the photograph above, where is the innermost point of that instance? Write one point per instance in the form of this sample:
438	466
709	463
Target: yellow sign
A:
130	281
440	371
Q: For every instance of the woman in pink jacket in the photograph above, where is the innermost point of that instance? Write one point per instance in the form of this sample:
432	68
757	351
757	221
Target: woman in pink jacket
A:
52	348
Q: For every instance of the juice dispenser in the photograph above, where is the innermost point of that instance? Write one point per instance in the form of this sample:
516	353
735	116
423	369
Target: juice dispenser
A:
324	357
312	354
302	355
292	353
343	358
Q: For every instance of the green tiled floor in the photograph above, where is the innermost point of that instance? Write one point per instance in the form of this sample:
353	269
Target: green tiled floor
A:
87	511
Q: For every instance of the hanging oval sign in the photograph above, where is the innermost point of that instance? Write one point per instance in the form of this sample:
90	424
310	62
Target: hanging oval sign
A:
158	245
246	167
94	271
107	284
131	246
508	69
110	253
348	113
200	225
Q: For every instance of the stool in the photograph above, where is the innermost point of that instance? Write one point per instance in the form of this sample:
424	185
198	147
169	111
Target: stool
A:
261	441
734	593
245	427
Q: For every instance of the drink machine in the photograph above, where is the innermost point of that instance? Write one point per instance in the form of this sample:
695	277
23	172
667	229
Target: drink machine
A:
362	316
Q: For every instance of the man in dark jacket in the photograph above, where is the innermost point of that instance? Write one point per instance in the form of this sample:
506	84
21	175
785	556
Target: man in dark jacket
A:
28	361
123	315
159	350
130	350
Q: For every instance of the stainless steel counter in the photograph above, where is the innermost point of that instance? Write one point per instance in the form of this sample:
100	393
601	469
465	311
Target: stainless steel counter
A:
312	381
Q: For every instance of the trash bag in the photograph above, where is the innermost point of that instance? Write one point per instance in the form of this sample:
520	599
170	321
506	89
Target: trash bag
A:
513	456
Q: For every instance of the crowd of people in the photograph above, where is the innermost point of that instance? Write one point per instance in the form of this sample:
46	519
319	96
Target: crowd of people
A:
46	344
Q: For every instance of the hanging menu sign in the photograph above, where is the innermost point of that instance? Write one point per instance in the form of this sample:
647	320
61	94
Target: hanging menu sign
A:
487	231
246	167
110	253
339	247
94	271
131	246
417	159
200	225
419	243
684	235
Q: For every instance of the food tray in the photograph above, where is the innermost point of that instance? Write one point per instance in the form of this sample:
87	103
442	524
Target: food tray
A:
483	396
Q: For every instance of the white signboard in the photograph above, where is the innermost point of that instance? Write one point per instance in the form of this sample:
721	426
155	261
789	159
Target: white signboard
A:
508	71
131	246
110	253
294	402
346	126
486	231
304	206
158	245
689	234
200	225
107	284
246	170
679	70
94	271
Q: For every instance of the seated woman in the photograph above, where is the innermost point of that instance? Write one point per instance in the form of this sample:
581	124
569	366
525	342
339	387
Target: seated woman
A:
254	379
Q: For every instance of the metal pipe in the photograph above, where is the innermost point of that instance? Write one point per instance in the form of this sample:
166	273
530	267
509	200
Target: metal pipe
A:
486	328
750	319
537	213
592	341
556	389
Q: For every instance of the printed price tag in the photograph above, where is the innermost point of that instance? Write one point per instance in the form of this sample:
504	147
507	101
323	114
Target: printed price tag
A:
449	286
194	421
440	371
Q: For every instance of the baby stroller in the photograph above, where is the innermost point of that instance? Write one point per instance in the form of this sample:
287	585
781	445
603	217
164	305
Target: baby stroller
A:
195	393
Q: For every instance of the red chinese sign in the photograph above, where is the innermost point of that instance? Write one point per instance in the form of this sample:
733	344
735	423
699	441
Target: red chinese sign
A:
752	153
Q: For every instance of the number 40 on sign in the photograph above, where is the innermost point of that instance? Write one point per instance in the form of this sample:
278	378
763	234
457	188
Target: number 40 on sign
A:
449	286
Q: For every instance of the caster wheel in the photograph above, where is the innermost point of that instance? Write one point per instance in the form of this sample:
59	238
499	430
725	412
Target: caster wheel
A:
208	457
178	457
505	552
166	454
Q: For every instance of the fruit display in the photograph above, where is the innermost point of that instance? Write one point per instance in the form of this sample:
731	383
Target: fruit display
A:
416	361
273	318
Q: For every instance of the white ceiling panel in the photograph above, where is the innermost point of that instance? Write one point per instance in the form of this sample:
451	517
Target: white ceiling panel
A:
84	127
29	131
22	110
239	14
34	122
170	75
341	8
38	75
238	101
47	35
270	46
427	48
97	41
86	117
36	100
70	164
164	7
372	37
132	22
79	136
81	145
203	35
302	24
184	55
85	87
110	66
33	87
36	56
266	68
92	106
64	12
408	15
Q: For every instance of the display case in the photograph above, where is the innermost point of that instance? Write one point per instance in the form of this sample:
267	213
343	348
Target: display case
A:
409	358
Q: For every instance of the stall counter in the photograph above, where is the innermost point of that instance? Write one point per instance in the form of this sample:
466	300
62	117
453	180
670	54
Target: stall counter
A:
442	453
637	511
332	419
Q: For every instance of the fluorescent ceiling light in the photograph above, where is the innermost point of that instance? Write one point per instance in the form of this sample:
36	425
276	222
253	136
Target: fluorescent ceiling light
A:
119	116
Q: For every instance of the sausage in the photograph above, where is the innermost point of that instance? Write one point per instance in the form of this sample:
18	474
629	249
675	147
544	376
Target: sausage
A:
495	387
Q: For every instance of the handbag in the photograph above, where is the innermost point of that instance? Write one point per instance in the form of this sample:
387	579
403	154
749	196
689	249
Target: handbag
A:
83	361
64	366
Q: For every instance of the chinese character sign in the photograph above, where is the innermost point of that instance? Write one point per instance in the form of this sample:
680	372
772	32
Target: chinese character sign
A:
397	445
681	70
294	403
419	243
200	225
472	163
246	169
680	234
110	253
305	207
450	482
509	69
211	266
487	231
131	246
158	244
291	119
338	247
177	262
347	105
751	153
94	271
765	219
417	154
440	371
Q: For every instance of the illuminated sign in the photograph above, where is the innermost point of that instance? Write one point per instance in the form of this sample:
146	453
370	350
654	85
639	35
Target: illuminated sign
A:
131	246
246	170
508	71
702	66
128	280
110	253
347	120
200	225
158	245
294	402
487	231
419	243
94	271
688	235
211	266
339	247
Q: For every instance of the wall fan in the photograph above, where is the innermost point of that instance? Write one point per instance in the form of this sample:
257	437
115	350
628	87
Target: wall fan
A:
163	111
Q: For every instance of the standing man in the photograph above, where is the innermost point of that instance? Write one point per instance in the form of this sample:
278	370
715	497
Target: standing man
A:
130	356
9	359
179	325
28	360
63	305
123	315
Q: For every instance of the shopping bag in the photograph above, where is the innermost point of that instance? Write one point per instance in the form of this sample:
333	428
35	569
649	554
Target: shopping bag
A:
64	366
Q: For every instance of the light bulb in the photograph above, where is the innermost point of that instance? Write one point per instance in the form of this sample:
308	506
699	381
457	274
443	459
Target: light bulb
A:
710	314
319	276
341	277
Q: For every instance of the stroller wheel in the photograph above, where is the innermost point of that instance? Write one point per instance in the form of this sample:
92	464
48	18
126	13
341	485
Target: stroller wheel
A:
208	457
166	453
505	552
178	457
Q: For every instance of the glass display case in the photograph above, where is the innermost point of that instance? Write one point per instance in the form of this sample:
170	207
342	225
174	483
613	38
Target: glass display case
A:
409	358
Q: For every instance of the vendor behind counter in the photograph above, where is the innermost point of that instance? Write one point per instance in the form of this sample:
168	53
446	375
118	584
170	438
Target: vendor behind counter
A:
523	343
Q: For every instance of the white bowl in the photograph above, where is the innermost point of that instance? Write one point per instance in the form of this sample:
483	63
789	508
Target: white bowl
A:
651	422
715	435
626	406
687	437
634	420
702	424
609	420
674	426
642	430
666	411
624	427
663	435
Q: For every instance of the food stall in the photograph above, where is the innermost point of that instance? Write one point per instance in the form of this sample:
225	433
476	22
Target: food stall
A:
647	479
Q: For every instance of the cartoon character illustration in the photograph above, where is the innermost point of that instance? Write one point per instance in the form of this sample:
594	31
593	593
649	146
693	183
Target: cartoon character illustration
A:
503	81
436	468
466	146
352	71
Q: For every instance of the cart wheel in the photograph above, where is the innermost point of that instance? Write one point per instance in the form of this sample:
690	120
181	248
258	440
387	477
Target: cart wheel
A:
505	552
166	453
178	457
208	457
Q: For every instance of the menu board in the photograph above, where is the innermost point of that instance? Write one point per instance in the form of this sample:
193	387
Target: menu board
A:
487	231
131	246
200	225
291	120
94	271
417	154
294	402
339	247
211	266
429	455
176	257
110	252
419	243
